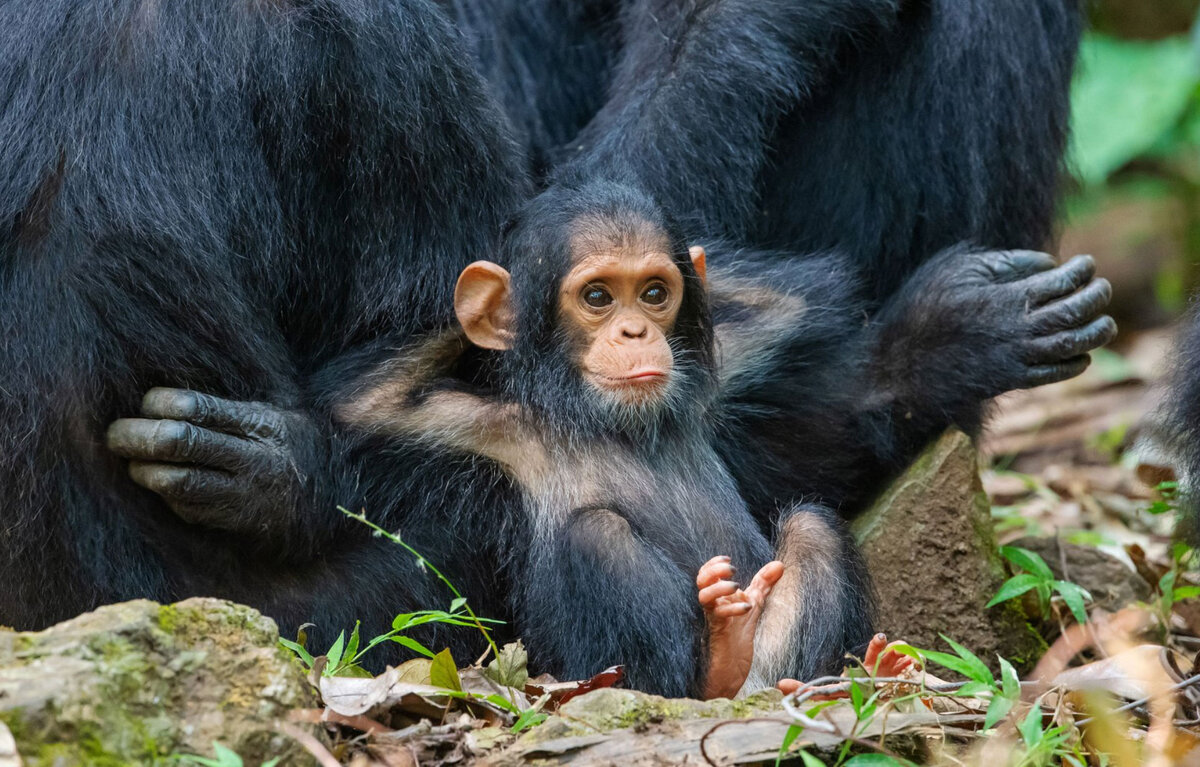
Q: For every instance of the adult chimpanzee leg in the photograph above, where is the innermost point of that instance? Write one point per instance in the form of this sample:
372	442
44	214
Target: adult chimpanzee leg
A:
227	197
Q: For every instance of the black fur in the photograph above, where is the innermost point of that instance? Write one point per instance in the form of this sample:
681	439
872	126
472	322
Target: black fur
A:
224	196
1181	417
887	130
259	199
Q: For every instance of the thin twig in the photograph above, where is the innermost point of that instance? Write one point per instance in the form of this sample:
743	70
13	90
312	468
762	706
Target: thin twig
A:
1143	701
311	744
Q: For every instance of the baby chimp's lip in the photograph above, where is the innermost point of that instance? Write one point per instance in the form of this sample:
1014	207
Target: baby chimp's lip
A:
635	378
646	374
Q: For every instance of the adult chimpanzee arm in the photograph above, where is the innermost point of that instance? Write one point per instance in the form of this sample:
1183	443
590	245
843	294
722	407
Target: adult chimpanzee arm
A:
817	402
970	325
698	89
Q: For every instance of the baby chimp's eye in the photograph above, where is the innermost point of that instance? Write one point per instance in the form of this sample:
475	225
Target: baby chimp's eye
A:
655	295
596	297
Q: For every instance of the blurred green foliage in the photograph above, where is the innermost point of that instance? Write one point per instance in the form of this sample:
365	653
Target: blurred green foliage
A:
1133	98
1135	153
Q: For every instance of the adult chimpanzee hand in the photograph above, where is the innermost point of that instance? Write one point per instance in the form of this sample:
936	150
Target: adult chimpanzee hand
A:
983	323
241	466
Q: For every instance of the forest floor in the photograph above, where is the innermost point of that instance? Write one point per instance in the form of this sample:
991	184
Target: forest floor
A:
1083	512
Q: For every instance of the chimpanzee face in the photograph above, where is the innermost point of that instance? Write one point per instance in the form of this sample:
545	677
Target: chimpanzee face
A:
617	306
619	303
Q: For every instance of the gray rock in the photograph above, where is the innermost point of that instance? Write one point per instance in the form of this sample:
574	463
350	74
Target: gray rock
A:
137	682
932	553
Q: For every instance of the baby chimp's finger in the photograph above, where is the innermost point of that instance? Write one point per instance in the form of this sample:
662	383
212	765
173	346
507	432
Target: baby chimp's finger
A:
714	592
763	581
1061	281
1074	310
248	418
732	609
1040	375
1067	344
148	439
715	569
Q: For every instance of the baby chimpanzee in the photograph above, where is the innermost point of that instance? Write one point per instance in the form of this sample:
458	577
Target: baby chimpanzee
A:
593	375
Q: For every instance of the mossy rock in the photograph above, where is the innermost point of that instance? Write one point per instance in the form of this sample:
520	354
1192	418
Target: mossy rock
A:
139	683
932	553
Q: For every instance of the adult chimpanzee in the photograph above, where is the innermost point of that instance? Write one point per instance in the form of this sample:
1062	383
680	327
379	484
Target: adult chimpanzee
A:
225	196
590	375
1181	414
887	130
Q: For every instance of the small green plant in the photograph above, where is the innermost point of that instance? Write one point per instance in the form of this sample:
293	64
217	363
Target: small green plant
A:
1038	578
222	757
1003	694
1048	745
344	656
1168	496
1170	590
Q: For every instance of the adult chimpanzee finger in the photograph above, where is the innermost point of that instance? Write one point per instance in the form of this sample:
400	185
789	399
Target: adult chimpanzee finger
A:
147	439
1074	310
1060	281
1013	265
1049	350
248	418
1040	375
183	484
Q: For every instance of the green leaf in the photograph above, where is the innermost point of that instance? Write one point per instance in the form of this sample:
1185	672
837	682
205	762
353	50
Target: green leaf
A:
352	646
874	760
1126	95
1014	587
509	666
413	645
808	759
457	603
1075	596
335	653
1009	681
225	756
1186	592
974	689
979	670
271	762
305	656
444	673
789	738
1031	727
1028	561
856	699
1166	584
997	710
352	670
528	718
955	663
504	703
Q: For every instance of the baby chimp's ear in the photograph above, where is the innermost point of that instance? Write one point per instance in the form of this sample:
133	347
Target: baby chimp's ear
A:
483	304
699	261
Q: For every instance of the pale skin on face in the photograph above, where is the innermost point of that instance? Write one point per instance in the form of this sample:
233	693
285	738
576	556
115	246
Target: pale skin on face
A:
619	300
